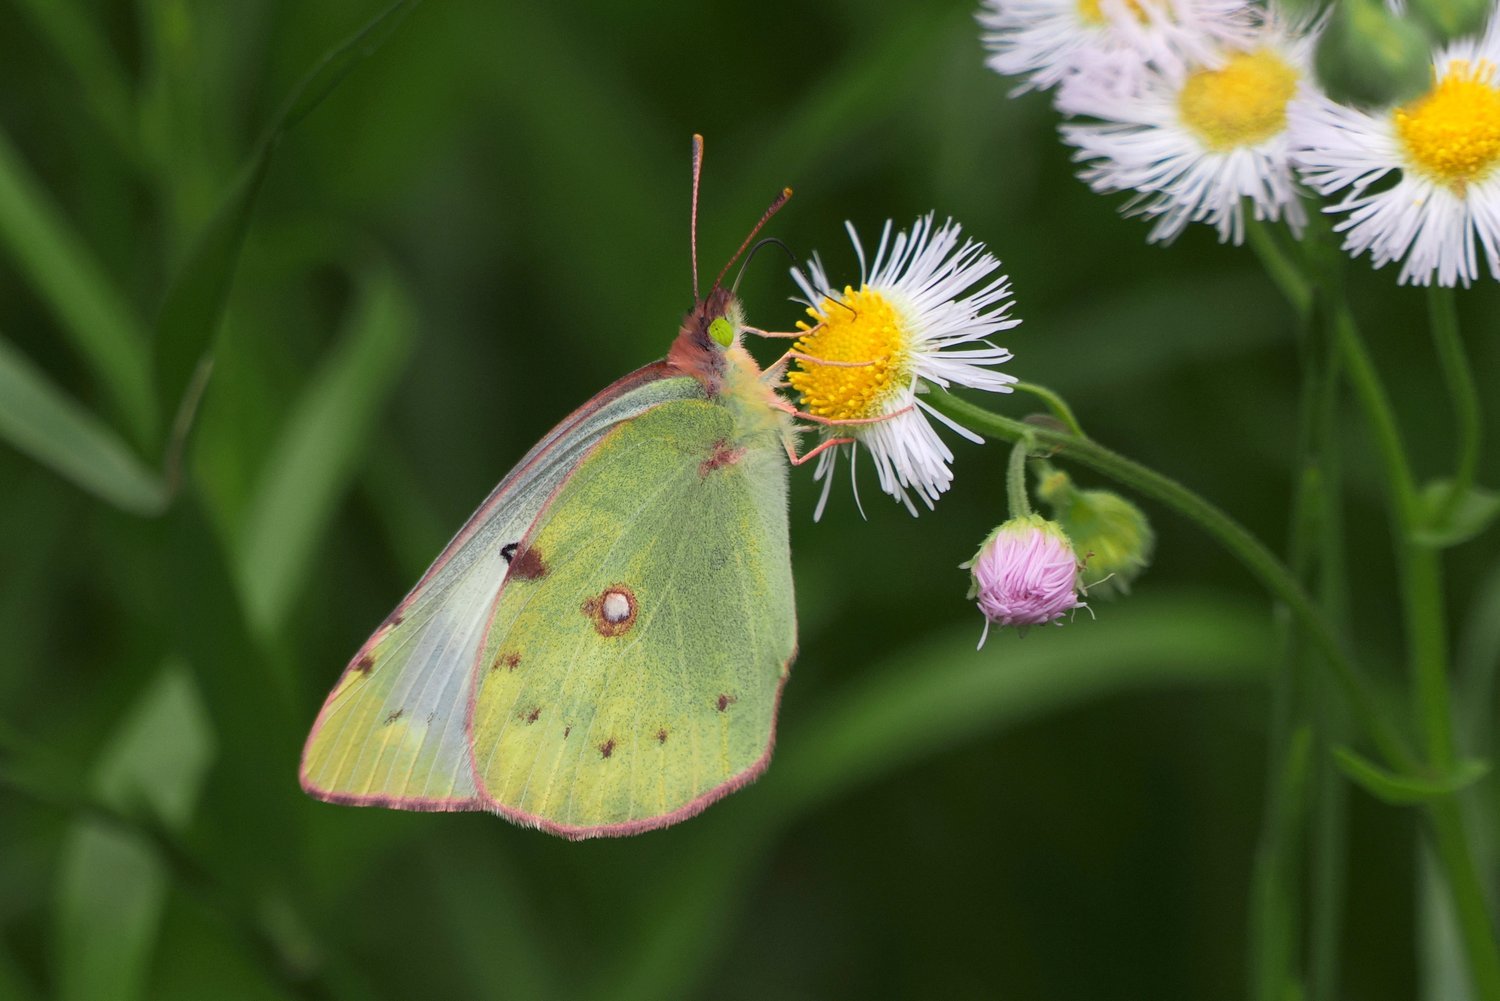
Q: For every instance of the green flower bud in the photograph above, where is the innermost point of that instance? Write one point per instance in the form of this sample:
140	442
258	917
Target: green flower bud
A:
1370	56
1110	534
1448	19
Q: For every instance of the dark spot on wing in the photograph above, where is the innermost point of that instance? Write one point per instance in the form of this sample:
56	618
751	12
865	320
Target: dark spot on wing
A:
607	748
394	716
509	660
365	663
527	564
725	701
567	730
661	736
431	716
723	455
533	716
508	551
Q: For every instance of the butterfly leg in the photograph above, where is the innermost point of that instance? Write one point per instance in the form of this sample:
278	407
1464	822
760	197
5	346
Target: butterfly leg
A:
775	370
842	421
814	360
783	334
797	460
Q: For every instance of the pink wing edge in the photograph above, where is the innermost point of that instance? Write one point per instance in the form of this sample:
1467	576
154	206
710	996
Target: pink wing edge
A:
641	376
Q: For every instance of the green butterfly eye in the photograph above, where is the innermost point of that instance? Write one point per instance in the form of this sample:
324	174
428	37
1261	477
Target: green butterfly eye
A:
721	331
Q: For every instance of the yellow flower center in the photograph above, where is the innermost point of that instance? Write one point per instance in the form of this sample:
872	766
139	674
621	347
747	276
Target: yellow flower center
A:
1241	103
1091	13
862	326
1452	133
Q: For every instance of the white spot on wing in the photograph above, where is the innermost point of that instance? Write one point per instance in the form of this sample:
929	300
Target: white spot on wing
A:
616	607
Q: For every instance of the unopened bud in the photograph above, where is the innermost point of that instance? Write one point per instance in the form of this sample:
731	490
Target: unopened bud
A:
1025	574
1111	534
1370	56
1449	19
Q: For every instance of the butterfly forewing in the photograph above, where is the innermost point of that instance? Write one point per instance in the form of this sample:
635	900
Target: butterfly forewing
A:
631	674
392	732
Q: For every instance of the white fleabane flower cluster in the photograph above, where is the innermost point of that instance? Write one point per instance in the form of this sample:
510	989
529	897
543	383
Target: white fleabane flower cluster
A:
1203	109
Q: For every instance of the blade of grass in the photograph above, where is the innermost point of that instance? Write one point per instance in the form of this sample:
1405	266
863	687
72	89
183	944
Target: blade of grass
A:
319	450
42	421
77	42
100	324
189	320
112	886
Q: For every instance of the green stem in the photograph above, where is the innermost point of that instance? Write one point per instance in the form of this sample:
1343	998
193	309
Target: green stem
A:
1282	269
1276	911
1420	579
1235	539
1055	403
1475	925
1422	598
1015	479
1458	378
1329	836
1419	571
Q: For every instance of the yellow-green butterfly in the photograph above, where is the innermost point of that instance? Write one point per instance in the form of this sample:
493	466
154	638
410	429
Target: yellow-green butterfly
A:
601	649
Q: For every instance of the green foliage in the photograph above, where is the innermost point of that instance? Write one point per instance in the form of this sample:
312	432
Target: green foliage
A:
1405	790
45	423
402	281
1448	521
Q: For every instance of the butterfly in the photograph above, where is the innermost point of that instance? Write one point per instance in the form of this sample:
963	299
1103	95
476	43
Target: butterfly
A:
601	649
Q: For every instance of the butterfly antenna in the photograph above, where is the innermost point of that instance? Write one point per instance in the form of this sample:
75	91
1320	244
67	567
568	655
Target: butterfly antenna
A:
693	239
755	250
776	205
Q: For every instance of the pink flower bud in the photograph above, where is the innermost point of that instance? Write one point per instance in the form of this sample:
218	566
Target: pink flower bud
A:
1025	574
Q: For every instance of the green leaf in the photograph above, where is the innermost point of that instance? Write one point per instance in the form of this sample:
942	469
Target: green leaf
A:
54	429
77	40
189	321
922	701
112	884
1446	521
318	452
1405	790
100	323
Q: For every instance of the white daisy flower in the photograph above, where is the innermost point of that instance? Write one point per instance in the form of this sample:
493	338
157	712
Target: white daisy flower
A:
1196	144
1047	40
906	323
1439	156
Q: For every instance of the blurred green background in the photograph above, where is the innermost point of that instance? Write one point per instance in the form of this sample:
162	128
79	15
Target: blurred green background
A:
483	224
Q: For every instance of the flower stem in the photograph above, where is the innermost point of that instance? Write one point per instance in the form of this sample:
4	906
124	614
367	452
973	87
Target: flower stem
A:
1055	403
1420	579
1282	269
1459	379
1015	479
1422	597
1235	539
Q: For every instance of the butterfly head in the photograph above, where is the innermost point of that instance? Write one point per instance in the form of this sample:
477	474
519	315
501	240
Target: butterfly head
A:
708	333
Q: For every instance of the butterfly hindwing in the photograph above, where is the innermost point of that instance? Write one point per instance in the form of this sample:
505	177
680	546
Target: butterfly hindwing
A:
392	732
632	669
